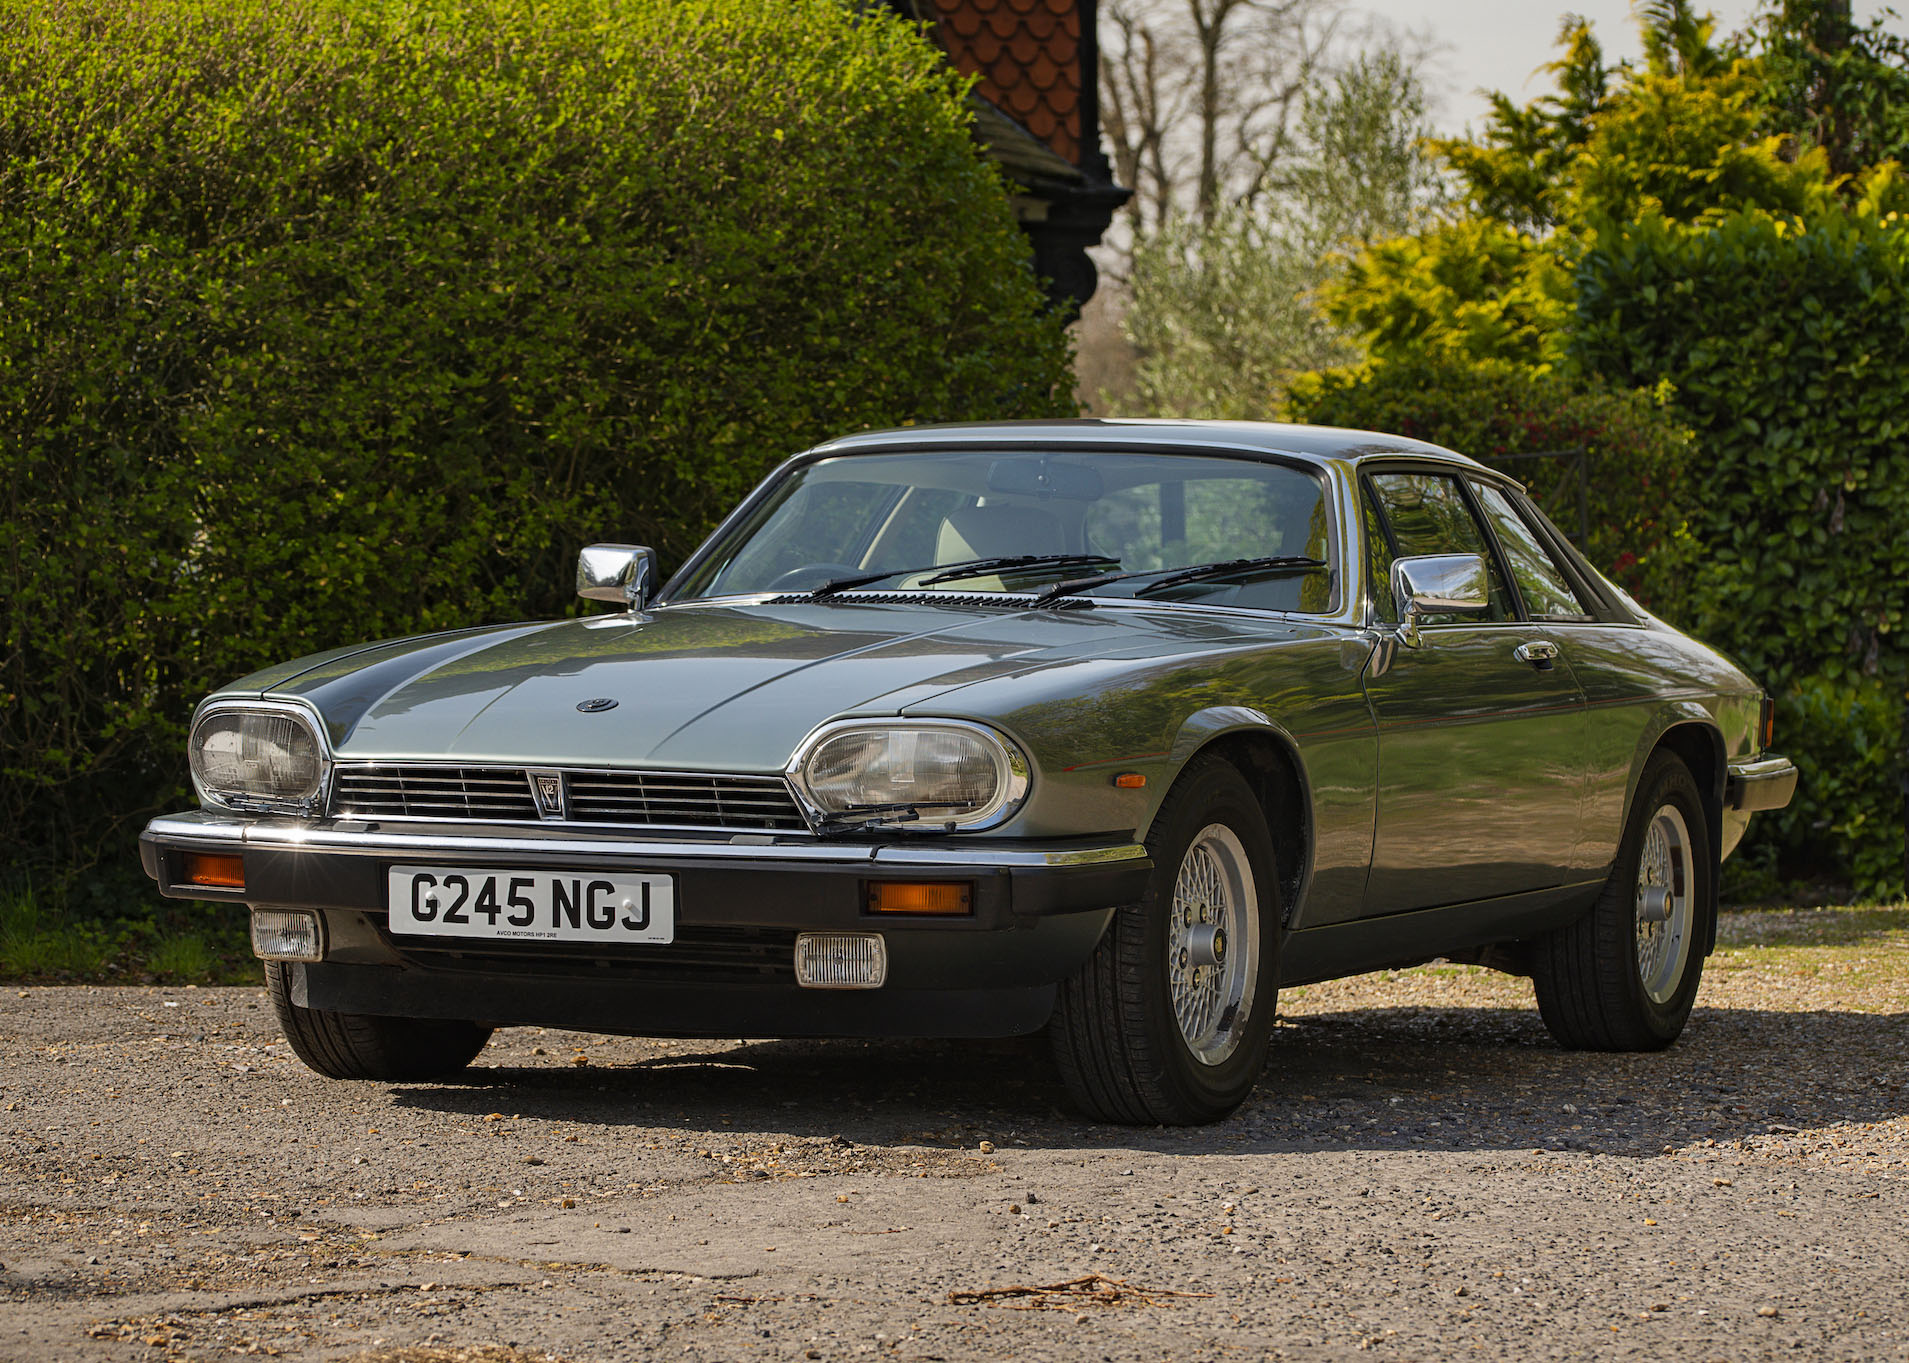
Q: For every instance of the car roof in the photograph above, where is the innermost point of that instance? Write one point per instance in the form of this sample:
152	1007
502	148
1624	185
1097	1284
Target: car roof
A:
1311	443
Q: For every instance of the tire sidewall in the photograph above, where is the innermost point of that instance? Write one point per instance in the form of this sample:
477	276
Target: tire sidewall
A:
1667	781
1216	793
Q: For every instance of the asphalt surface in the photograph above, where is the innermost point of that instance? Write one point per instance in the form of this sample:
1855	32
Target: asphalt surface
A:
1422	1175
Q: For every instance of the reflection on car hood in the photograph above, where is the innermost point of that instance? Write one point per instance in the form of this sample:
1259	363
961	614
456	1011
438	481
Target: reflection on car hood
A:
719	688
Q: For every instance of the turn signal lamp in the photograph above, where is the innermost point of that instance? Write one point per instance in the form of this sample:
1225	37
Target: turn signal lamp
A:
1766	728
921	896
215	871
1130	780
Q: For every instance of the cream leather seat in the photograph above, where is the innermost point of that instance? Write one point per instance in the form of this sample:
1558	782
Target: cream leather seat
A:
995	532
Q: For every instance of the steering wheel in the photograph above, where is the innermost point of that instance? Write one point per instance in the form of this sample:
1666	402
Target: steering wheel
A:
811	575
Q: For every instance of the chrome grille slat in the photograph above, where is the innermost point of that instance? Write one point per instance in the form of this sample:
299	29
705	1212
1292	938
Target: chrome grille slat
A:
634	799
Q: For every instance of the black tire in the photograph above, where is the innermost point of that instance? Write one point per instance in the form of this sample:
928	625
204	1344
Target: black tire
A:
1595	977
360	1046
1119	1045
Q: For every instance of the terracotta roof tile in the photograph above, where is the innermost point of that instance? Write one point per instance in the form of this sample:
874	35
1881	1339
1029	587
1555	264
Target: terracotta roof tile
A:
1026	54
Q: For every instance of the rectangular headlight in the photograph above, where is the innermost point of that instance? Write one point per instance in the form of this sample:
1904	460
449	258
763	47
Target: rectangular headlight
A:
258	758
287	935
948	772
841	960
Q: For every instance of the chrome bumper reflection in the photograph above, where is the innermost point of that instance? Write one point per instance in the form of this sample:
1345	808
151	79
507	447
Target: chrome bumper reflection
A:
345	837
1767	783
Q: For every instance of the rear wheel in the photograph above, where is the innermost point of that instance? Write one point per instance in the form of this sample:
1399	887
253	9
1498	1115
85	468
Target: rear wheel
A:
1624	977
1170	1019
361	1046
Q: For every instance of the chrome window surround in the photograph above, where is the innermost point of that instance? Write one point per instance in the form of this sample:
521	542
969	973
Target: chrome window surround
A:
782	783
1007	802
304	714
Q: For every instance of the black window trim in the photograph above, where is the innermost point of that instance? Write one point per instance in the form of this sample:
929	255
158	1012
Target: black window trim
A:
1511	493
1462	475
1608	608
1611	609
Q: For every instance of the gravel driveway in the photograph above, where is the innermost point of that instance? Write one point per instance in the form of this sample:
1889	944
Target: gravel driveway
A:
1422	1175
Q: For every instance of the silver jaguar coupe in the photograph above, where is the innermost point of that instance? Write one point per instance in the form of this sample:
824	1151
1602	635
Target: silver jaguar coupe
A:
1107	729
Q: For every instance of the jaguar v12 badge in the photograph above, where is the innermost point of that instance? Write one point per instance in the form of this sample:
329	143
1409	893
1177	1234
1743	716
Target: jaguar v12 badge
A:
549	788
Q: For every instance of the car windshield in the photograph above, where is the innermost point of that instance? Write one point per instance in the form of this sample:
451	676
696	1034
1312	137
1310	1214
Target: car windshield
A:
1025	522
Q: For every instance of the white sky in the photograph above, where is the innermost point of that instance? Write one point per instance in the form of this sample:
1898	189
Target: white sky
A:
1498	44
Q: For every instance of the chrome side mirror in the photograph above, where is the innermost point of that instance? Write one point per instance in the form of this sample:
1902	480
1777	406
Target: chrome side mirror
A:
1438	584
624	573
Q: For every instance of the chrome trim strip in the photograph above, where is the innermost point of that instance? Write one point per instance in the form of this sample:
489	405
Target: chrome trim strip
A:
364	838
891	854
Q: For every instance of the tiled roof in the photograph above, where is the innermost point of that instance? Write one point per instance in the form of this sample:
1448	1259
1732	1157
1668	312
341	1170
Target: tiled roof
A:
1027	55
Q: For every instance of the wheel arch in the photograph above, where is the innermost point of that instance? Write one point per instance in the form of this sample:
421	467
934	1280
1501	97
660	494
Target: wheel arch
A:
1266	755
1698	742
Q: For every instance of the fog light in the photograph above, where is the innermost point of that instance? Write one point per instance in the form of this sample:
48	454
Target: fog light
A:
287	935
840	960
212	869
921	896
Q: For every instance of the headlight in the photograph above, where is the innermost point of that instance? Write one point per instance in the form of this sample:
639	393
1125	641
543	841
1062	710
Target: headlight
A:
258	759
946	772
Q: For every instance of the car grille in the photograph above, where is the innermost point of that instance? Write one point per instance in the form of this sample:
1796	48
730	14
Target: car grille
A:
500	793
630	799
682	799
709	954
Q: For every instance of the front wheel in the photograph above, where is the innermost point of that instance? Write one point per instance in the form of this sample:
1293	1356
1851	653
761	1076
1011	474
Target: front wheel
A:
1170	1019
1624	977
361	1046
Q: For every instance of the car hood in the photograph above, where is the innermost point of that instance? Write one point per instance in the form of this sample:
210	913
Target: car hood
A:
717	688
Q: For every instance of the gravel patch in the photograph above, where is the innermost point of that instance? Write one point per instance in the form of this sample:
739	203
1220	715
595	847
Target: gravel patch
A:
1423	1173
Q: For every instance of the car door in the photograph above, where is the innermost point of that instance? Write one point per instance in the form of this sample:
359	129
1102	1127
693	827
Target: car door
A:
1615	662
1481	725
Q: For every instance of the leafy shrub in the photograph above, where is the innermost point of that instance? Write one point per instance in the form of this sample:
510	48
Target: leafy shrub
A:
337	319
1639	479
1787	344
1848	742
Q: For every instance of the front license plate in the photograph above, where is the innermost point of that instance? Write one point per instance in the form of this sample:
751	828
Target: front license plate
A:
530	906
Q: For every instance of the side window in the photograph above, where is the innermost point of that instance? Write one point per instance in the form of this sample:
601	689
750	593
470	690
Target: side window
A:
1378	559
1546	589
1428	515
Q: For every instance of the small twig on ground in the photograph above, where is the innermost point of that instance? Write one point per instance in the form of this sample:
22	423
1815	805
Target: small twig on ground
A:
1094	1287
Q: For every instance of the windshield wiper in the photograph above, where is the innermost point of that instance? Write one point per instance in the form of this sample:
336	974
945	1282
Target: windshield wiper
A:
1015	563
1195	573
1239	567
974	567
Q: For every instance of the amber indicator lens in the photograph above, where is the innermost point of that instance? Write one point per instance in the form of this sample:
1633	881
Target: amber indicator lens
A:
918	896
219	872
1768	726
1130	780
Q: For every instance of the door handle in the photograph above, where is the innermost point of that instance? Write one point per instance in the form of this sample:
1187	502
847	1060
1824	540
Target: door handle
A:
1540	653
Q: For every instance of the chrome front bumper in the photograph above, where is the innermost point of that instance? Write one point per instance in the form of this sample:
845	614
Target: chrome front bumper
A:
210	832
1038	912
1767	783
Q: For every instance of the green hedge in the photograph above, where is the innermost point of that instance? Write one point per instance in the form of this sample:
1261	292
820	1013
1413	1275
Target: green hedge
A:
1638	452
1787	345
327	321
